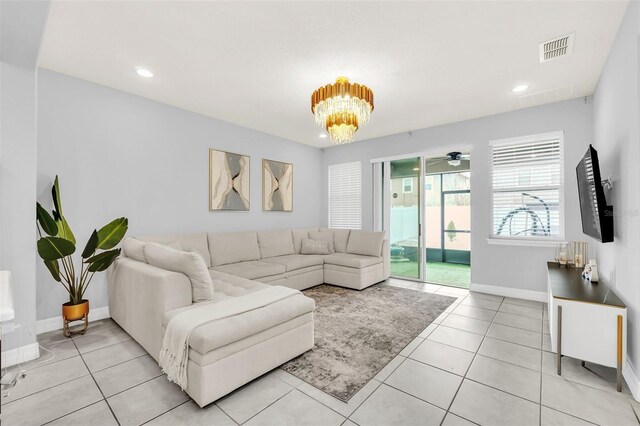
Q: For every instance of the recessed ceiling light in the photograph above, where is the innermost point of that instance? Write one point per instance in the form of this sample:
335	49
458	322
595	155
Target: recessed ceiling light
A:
143	72
415	169
322	135
520	88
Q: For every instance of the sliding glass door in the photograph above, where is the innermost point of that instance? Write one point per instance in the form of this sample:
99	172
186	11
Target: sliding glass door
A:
427	211
405	217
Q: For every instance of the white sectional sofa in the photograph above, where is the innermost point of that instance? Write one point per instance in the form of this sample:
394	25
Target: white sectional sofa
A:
235	350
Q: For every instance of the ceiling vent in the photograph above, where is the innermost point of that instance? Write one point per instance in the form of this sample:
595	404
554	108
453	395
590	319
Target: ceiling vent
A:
556	48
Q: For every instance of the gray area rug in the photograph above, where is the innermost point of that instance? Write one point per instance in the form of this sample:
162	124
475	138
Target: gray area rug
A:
357	333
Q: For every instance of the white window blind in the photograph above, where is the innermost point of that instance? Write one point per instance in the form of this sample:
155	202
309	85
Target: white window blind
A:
345	195
527	188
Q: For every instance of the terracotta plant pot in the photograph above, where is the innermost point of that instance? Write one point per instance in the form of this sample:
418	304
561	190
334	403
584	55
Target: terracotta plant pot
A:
76	312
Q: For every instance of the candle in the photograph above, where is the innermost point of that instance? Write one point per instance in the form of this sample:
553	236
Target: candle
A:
563	258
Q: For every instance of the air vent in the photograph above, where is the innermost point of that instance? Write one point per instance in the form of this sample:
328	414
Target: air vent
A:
556	48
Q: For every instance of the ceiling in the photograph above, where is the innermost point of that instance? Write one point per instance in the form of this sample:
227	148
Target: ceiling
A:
256	63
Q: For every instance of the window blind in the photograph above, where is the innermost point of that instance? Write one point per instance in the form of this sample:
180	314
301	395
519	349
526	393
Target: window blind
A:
345	195
527	188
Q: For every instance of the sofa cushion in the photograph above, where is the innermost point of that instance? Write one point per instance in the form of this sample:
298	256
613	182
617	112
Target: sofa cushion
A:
275	243
299	235
351	260
211	336
310	246
233	247
186	242
295	261
252	269
189	263
365	242
325	235
340	238
227	285
134	249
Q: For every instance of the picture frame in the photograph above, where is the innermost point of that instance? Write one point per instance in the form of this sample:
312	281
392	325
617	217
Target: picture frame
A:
229	181
277	186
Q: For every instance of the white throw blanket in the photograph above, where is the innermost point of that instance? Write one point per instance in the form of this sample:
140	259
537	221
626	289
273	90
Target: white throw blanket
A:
175	345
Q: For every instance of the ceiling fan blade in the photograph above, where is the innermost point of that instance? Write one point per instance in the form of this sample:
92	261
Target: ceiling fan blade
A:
465	156
436	162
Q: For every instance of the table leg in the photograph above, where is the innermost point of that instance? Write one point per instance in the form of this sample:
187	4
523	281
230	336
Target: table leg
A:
619	369
559	341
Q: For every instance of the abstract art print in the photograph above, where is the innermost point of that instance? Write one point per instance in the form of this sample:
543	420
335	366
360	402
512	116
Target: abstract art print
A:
277	186
228	181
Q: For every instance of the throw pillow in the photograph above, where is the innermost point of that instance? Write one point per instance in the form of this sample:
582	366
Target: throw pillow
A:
134	249
323	235
189	263
310	246
365	243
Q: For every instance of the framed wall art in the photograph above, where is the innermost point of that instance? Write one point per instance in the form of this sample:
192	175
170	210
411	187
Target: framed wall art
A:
229	181
277	186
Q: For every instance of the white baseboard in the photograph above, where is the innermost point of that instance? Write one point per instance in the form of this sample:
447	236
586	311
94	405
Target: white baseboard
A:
55	323
538	296
21	354
631	378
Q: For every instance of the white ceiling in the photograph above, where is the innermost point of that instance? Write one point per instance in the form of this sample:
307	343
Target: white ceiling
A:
256	64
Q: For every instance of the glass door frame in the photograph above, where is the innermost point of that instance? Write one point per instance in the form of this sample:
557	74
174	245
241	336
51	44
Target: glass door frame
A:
443	229
386	185
422	211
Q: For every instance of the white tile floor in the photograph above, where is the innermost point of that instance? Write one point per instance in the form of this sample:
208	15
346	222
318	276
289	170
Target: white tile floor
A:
483	361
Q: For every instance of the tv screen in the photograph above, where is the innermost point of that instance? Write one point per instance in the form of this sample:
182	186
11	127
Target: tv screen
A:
597	216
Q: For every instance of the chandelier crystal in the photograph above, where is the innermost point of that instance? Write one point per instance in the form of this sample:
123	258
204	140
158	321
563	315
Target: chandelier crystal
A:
342	108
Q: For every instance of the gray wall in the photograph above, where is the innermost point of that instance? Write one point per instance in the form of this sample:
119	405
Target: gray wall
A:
521	267
22	25
122	155
617	138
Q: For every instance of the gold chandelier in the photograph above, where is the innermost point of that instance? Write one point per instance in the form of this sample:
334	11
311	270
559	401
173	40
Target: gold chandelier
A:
341	108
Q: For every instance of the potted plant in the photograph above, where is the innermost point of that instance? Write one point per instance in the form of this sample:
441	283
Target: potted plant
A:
58	245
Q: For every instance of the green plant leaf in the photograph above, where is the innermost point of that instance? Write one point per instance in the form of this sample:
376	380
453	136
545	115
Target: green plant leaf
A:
45	220
102	261
54	267
64	230
110	235
55	194
54	248
90	248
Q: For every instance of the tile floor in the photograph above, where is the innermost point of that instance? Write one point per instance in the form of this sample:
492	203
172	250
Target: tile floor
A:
485	360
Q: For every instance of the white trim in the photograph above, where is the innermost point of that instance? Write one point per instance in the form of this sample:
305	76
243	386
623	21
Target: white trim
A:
436	152
528	138
538	296
523	242
630	376
378	202
20	354
55	323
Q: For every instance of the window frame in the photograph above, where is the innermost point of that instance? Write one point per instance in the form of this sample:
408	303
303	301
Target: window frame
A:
529	240
329	167
410	180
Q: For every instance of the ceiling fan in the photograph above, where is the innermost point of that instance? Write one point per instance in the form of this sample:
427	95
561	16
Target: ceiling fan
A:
453	158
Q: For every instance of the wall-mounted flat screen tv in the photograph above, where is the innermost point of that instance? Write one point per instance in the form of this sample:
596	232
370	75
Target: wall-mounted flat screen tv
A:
597	216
